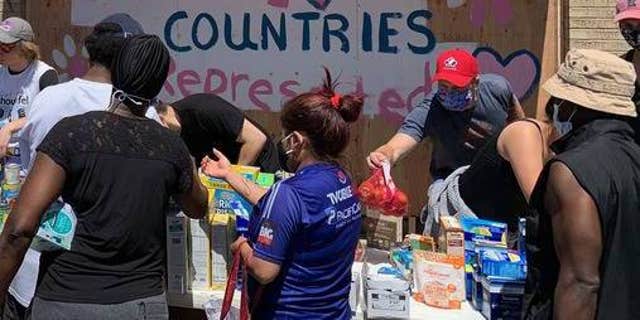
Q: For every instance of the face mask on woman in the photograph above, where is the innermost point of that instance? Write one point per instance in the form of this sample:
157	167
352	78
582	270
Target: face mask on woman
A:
285	158
455	99
562	127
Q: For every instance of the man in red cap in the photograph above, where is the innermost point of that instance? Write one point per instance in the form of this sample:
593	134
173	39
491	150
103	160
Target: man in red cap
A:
466	109
628	19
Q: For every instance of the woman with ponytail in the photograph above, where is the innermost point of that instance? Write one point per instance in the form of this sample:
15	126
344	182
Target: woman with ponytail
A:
117	170
304	230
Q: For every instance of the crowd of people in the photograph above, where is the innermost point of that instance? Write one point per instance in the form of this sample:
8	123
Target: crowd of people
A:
105	145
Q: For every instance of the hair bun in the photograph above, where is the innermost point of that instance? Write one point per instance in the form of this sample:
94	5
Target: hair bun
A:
350	107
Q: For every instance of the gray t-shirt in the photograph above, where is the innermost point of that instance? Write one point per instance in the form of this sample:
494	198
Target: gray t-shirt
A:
454	143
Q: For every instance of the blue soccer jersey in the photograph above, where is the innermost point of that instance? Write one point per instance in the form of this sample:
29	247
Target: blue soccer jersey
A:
309	225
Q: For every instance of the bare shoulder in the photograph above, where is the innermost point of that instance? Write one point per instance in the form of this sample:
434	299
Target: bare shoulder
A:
564	190
520	137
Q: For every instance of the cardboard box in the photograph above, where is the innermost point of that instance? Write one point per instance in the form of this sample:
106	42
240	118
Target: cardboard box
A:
177	254
382	231
420	242
387	297
249	173
222	236
451	238
199	254
439	278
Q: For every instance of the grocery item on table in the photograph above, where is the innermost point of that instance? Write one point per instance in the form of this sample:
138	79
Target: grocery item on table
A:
486	230
248	172
177	254
387	293
402	259
222	236
420	242
381	231
12	174
200	258
380	192
501	263
451	238
502	298
439	279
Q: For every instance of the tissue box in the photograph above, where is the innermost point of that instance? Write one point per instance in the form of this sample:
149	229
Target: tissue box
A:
387	297
177	257
199	255
57	228
440	279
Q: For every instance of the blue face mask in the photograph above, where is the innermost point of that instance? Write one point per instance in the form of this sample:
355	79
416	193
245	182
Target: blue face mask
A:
455	99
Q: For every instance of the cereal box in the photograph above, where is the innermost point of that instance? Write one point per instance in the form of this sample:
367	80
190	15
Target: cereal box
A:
451	239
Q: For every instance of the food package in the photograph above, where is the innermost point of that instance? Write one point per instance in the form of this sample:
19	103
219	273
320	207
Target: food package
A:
451	239
380	192
381	231
420	242
248	172
177	257
199	255
483	230
387	292
222	236
439	279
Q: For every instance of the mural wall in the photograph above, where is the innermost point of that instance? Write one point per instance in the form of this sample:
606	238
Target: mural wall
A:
259	53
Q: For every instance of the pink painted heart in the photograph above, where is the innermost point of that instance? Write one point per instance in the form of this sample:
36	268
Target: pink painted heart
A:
521	68
279	3
320	4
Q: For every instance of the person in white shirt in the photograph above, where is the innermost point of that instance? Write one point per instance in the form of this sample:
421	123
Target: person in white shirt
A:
22	76
78	96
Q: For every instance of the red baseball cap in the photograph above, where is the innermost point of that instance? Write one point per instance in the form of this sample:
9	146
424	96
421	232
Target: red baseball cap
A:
627	9
456	66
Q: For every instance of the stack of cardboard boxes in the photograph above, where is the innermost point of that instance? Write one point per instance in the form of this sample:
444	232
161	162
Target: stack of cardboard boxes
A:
198	250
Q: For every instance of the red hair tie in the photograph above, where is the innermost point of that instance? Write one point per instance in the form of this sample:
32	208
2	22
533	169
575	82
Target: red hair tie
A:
335	101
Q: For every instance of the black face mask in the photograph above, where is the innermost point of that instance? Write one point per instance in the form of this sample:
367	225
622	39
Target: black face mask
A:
284	157
632	36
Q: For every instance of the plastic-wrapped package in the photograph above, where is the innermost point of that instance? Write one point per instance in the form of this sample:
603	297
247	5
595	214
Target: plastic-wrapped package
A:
380	192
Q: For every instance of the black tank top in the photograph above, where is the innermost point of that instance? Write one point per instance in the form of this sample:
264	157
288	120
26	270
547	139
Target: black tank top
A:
605	161
490	188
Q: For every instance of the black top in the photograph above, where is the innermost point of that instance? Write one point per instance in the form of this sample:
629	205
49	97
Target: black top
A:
605	161
490	188
208	122
120	173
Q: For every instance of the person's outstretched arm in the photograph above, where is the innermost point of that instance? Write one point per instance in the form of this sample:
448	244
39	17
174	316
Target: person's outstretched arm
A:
42	186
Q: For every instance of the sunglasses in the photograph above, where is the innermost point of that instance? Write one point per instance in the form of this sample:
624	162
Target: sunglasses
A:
7	47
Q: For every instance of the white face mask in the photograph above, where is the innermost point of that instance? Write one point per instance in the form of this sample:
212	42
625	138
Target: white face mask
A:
563	127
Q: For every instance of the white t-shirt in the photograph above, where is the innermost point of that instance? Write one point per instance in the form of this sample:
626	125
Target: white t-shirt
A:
17	91
54	103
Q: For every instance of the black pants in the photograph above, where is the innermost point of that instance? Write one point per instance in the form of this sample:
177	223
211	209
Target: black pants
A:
13	310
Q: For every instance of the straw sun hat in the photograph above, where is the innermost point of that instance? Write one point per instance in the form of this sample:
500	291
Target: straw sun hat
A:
595	80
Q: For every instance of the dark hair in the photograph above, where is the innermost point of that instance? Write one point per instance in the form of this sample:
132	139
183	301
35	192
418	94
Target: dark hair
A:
325	124
104	43
140	69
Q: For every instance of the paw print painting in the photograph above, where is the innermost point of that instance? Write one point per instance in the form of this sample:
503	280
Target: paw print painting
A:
501	10
72	61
